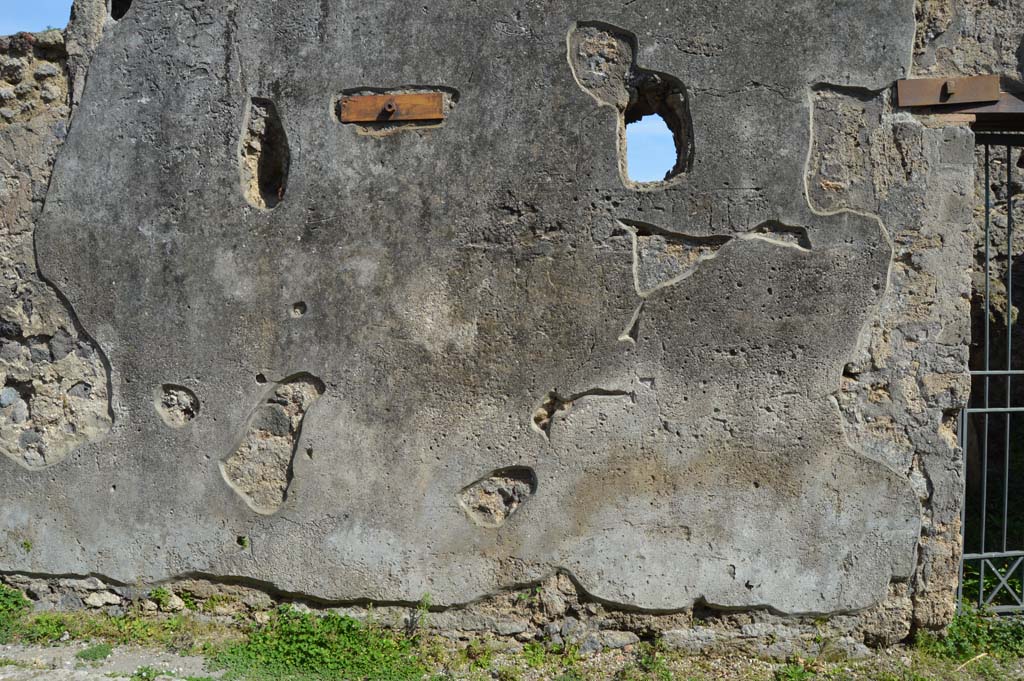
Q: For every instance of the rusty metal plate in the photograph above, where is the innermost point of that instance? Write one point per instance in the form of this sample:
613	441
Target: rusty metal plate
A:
1007	114
1007	104
942	91
386	108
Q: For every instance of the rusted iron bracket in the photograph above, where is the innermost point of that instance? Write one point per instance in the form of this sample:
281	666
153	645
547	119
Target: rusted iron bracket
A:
947	91
387	108
1008	104
1006	113
978	100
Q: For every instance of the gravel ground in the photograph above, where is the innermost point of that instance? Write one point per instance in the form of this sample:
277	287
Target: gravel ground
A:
32	663
24	663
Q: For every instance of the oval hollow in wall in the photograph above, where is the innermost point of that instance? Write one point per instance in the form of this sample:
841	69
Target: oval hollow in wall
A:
260	469
264	155
491	500
177	405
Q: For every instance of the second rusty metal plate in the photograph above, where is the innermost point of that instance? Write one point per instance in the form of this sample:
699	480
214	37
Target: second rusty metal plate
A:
939	91
386	108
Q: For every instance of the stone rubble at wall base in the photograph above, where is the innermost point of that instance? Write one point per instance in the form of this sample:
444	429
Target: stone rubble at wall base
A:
552	612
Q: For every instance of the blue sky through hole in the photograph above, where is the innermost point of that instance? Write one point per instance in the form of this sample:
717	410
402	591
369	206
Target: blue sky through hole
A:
650	149
33	15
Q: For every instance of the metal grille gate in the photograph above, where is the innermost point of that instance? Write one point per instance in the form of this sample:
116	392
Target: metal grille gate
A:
991	427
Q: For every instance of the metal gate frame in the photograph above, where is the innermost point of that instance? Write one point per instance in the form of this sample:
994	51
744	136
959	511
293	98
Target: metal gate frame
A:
1002	561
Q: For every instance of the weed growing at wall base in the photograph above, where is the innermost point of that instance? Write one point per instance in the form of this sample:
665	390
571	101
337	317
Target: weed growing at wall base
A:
100	651
651	664
160	596
793	671
299	645
974	632
13	606
296	646
178	633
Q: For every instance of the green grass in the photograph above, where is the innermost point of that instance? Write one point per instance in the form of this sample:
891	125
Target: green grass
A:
650	663
180	633
215	601
8	662
146	674
100	651
793	671
296	645
477	655
13	606
571	675
535	654
303	646
508	674
189	600
973	585
161	597
974	633
45	627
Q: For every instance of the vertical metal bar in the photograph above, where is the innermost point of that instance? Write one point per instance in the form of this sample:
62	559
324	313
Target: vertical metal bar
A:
994	563
988	367
1009	336
963	438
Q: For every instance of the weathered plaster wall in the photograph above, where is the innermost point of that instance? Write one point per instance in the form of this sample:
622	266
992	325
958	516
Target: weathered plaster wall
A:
969	37
903	390
55	393
350	366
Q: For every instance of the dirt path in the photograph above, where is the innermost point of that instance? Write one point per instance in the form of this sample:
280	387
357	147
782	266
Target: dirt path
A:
25	663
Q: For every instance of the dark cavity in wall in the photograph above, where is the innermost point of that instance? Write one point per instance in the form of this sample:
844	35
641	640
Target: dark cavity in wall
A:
118	8
265	156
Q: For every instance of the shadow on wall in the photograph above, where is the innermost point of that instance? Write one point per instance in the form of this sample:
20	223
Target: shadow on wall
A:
118	8
1020	58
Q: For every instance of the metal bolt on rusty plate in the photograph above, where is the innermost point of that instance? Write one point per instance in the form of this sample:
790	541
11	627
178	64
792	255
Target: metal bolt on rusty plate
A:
947	91
387	108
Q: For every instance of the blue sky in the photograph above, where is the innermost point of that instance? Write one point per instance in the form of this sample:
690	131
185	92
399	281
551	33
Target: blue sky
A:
650	150
33	15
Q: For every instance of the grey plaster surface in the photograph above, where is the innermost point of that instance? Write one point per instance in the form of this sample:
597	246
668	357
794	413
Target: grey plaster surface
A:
453	281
